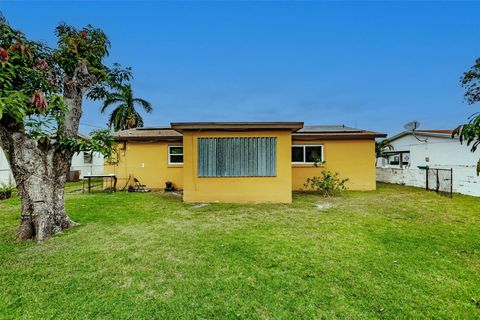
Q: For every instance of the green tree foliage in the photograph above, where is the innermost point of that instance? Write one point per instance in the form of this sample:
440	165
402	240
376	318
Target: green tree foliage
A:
124	115
470	131
41	100
31	88
6	191
28	79
381	146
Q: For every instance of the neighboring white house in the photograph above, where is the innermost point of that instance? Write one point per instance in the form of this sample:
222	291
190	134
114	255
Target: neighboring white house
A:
432	148
88	163
85	162
5	173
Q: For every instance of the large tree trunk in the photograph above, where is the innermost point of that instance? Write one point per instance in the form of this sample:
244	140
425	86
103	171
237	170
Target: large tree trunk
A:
40	169
40	174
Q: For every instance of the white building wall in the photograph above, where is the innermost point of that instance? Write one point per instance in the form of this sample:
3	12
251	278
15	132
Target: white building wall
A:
440	151
465	179
5	173
95	168
436	152
409	176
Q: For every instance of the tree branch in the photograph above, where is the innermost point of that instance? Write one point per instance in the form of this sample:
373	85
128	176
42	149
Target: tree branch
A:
74	87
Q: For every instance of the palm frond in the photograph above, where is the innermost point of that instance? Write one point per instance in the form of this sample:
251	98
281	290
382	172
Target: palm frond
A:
112	99
117	117
147	106
139	119
124	116
112	118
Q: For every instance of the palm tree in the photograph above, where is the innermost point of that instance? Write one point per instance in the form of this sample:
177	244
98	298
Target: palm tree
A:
380	147
124	116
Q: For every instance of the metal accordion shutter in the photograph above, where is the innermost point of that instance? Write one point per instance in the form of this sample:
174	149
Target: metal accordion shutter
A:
237	157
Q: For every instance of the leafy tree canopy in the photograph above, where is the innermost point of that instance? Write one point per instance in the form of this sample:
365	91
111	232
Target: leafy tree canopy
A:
41	102
470	132
32	81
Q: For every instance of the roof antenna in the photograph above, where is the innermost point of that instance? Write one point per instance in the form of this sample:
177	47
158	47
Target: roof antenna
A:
411	127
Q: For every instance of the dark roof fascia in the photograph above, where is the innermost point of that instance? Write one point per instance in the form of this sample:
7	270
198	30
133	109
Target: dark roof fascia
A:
150	139
395	152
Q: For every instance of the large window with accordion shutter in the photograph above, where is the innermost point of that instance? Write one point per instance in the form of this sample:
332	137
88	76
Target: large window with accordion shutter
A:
237	157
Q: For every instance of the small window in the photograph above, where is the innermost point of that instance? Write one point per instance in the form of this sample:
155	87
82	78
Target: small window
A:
175	154
297	154
87	158
394	161
307	154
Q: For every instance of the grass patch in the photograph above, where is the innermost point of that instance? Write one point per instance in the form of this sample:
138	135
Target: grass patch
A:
399	252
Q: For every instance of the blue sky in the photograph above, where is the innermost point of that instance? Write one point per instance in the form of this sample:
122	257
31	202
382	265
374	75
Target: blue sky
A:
375	65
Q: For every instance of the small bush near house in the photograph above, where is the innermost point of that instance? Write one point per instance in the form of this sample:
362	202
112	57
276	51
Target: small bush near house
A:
328	184
6	191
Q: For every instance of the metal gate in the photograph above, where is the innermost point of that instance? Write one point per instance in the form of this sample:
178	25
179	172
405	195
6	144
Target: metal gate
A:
440	180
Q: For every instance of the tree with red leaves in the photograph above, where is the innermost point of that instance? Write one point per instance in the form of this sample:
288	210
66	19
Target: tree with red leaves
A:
41	94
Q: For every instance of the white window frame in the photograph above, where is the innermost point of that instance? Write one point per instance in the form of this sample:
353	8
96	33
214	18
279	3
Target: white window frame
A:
305	152
176	154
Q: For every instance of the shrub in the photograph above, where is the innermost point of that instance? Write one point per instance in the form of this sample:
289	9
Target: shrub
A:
328	184
6	191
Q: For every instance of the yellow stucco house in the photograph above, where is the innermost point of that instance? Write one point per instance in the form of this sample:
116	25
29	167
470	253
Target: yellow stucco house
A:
243	161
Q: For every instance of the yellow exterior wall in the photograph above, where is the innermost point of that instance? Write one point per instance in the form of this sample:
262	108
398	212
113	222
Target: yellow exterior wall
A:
148	162
352	159
237	189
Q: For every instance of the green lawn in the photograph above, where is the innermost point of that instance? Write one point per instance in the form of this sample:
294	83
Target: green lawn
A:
398	252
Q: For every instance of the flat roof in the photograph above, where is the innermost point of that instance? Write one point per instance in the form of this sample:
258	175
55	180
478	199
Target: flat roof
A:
148	134
237	126
338	135
334	132
317	132
328	128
